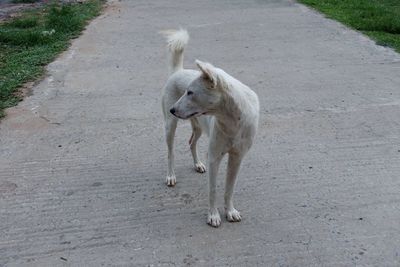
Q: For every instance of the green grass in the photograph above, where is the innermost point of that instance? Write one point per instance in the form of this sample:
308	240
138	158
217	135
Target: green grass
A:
28	43
379	19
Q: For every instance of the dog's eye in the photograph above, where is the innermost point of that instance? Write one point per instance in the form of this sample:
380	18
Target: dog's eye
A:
190	93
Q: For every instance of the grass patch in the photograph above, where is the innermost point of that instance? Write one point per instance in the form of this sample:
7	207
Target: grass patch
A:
31	41
379	19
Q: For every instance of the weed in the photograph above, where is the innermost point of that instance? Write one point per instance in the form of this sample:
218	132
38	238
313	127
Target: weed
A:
34	39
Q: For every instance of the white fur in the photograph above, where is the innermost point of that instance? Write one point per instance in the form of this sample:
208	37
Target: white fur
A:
217	104
176	42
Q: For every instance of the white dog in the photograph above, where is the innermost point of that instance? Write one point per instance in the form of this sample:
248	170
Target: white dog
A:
216	103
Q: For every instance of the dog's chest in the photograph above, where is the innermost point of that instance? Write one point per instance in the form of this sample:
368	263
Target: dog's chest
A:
243	140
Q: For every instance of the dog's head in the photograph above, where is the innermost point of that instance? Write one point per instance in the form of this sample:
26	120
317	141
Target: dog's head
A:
204	94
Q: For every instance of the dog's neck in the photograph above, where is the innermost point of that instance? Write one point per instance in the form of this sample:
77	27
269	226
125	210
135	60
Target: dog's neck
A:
230	117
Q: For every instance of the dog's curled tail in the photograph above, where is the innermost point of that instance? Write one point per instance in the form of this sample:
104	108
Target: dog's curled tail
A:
176	42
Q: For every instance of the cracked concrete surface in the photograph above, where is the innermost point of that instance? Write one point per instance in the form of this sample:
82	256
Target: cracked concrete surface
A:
83	159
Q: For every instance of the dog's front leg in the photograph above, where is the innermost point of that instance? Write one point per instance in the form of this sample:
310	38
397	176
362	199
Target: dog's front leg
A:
214	160
234	162
170	128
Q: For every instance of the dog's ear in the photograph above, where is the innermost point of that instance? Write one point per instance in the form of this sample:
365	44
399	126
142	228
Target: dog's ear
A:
208	72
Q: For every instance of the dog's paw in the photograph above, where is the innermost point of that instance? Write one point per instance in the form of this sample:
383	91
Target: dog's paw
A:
233	215
171	180
213	218
199	167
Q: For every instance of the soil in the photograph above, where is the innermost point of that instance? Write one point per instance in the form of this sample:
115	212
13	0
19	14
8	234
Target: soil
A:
9	10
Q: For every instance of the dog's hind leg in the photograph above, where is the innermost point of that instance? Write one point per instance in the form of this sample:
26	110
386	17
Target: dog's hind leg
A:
170	128
196	133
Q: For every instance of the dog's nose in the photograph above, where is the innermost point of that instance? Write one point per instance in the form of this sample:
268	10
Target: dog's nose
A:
172	110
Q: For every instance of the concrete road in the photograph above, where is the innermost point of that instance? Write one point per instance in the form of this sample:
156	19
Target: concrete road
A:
83	159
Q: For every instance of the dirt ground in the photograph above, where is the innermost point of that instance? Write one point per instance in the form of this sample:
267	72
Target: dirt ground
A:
10	10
